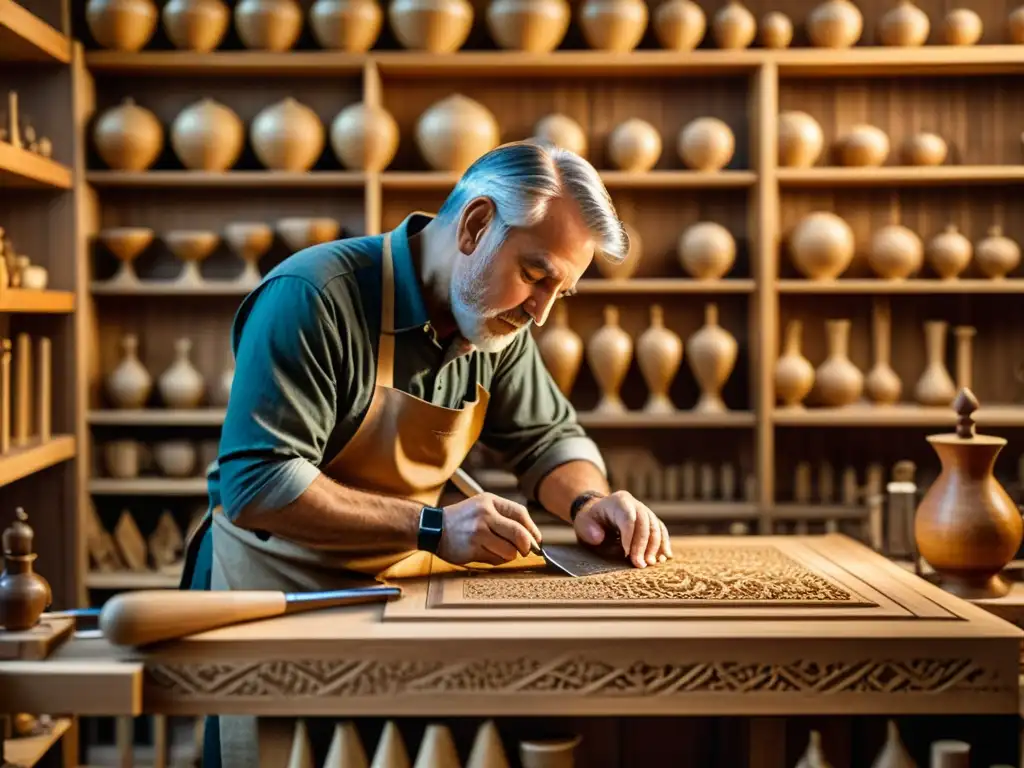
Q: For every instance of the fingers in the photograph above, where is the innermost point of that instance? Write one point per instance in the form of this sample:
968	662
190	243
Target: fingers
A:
517	512
666	543
511	532
641	533
645	538
653	549
495	549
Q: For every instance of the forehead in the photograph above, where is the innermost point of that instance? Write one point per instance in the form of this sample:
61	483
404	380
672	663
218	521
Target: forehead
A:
561	238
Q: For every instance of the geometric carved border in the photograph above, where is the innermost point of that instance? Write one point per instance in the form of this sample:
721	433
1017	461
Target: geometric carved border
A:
571	675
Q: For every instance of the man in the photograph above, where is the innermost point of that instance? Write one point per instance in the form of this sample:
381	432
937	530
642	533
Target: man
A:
367	368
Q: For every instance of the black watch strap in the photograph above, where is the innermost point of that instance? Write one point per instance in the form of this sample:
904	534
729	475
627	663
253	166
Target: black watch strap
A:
431	528
579	501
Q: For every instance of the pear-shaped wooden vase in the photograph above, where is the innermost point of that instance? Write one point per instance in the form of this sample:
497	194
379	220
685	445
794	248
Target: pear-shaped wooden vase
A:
609	353
794	374
935	387
893	753
882	384
561	349
839	381
659	353
967	527
129	384
711	353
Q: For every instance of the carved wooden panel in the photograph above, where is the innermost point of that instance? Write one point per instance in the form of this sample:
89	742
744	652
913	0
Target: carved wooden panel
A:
783	578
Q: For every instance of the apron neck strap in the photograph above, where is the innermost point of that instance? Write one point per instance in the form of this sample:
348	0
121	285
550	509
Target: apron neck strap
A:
386	345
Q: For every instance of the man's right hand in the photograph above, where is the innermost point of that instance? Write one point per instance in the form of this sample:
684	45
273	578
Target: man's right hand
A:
486	529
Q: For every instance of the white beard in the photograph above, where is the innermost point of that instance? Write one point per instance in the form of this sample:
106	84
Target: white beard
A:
469	310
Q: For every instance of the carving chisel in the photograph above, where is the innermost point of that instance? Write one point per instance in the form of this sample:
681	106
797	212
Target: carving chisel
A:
150	616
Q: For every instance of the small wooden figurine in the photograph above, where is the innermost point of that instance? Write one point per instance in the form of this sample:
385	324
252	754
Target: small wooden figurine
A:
24	594
967	526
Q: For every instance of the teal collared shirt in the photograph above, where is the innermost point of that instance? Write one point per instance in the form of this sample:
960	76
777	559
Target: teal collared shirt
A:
305	345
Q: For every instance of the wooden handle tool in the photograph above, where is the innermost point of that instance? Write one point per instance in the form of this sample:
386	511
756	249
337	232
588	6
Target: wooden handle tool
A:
152	616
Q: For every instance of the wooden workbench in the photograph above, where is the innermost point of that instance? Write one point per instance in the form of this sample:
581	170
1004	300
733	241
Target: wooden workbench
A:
818	630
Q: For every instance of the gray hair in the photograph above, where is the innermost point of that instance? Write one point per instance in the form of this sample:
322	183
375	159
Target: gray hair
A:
522	178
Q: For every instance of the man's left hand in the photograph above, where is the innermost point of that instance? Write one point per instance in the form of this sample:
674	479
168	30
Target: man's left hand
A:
645	538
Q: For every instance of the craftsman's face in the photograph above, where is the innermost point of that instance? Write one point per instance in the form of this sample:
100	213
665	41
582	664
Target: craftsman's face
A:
499	289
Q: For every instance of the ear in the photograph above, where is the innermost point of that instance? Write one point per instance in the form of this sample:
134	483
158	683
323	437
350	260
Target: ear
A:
473	222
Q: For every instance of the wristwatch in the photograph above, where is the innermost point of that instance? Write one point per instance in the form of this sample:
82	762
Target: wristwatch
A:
431	528
579	502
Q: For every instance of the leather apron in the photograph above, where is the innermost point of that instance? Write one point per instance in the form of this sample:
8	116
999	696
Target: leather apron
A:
403	447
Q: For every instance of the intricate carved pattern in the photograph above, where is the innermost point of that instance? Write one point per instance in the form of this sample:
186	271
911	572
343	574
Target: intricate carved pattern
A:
570	675
712	574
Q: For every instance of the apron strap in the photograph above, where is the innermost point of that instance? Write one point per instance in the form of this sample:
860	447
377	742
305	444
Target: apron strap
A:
386	345
193	545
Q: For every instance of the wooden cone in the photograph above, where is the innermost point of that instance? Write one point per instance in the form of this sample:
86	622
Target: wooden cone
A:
814	757
390	749
302	754
488	751
346	750
893	754
437	749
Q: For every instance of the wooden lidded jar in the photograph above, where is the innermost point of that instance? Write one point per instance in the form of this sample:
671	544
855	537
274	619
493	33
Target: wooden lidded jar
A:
24	594
614	25
835	24
434	26
207	136
352	26
535	26
196	25
949	252
996	255
454	132
967	527
364	137
905	26
679	25
287	136
268	25
821	246
734	26
128	137
121	25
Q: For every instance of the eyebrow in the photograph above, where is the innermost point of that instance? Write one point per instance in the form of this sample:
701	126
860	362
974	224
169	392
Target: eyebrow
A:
542	262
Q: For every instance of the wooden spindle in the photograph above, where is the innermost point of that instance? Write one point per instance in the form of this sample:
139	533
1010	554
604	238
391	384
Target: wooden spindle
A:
5	396
22	400
44	402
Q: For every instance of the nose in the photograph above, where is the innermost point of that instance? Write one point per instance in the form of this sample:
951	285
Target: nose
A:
539	306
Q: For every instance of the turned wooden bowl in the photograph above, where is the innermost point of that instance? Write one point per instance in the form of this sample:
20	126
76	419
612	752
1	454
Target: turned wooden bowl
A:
126	243
249	237
191	245
303	232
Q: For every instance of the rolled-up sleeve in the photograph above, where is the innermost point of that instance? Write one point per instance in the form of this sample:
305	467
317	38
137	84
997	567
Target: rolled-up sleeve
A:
530	423
283	396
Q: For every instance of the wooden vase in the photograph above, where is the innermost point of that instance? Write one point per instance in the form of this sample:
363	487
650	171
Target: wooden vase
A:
122	25
707	250
794	374
967	527
706	144
711	353
352	26
949	252
126	243
896	252
609	353
835	24
733	26
562	131
838	380
534	26
181	385
634	146
925	149
433	26
904	26
24	594
195	25
961	26
679	25
287	136
561	349
814	755
935	387
882	384
364	137
626	268
659	353
207	136
864	146
129	384
128	137
821	246
801	140
964	355
996	255
776	31
454	132
613	25
268	25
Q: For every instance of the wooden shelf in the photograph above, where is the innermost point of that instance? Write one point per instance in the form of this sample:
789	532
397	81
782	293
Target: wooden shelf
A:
170	288
19	463
649	285
21	168
801	62
439	181
36	302
152	417
24	37
226	180
148	486
903	176
133	580
27	751
898	415
639	419
914	285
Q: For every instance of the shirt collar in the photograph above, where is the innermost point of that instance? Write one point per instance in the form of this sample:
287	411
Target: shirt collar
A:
410	309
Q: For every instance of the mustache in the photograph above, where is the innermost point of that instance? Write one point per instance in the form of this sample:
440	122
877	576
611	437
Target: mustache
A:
518	318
